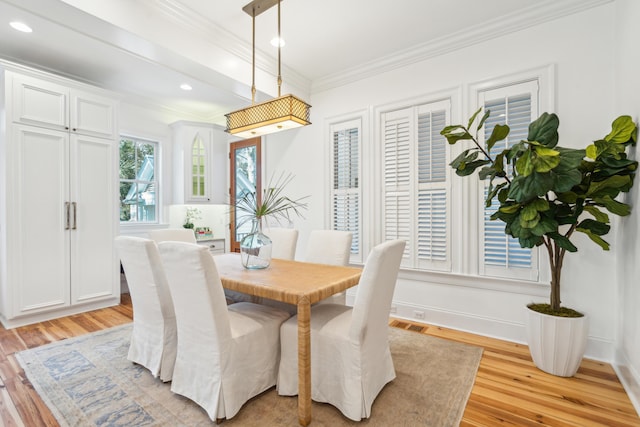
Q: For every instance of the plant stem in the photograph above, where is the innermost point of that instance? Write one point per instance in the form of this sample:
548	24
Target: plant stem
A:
484	152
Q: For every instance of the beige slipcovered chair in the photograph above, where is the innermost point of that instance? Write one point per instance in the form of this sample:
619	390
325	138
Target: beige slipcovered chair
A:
330	247
284	242
154	337
350	356
226	354
173	235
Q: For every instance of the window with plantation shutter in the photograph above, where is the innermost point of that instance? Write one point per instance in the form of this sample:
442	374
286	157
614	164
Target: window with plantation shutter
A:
345	189
517	106
416	184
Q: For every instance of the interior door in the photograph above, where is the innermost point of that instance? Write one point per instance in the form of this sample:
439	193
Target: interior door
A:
246	172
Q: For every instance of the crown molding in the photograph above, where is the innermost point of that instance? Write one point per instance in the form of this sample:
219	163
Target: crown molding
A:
199	26
537	13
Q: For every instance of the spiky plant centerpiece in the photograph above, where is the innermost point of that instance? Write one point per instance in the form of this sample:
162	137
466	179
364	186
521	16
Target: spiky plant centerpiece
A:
255	247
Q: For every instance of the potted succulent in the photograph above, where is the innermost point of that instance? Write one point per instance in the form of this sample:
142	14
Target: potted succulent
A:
546	193
255	247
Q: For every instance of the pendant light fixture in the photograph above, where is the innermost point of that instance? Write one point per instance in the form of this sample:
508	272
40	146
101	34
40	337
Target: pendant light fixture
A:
281	113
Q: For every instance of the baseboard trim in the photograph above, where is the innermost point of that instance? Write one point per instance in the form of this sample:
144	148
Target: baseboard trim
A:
629	378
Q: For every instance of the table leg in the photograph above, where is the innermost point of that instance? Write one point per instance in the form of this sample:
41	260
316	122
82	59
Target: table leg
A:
304	362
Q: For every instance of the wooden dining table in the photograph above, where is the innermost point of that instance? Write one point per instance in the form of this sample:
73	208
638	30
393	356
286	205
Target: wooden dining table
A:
297	283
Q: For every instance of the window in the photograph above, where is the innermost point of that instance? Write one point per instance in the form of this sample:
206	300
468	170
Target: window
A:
138	181
416	184
501	255
345	184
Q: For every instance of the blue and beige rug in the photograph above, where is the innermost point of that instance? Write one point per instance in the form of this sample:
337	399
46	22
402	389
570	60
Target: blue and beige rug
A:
88	381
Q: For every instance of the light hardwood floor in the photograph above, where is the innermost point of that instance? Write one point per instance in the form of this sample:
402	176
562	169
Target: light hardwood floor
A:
508	391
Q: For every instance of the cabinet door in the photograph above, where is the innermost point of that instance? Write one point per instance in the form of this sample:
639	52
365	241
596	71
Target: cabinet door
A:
40	103
38	239
198	165
92	114
93	219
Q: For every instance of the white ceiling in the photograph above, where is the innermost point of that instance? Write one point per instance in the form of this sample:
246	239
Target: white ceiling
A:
146	48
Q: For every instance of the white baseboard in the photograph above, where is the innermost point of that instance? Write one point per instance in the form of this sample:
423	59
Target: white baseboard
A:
629	378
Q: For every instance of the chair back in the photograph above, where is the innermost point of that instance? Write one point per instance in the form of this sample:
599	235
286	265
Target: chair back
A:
284	242
375	292
148	287
173	235
329	247
198	297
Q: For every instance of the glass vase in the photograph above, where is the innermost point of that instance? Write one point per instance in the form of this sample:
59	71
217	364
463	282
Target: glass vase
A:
255	248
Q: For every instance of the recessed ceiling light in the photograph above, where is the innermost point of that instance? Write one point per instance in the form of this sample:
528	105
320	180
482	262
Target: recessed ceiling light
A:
21	26
276	40
185	86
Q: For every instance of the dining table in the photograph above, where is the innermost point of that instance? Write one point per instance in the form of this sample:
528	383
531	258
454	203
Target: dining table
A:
294	282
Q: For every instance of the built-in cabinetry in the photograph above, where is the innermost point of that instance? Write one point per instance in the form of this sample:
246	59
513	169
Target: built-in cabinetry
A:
216	246
201	158
58	198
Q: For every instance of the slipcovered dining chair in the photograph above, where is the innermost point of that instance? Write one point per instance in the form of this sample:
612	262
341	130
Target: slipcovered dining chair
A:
284	242
226	354
173	235
330	247
154	337
350	355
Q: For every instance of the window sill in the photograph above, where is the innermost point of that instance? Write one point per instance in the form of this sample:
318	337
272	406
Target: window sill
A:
477	282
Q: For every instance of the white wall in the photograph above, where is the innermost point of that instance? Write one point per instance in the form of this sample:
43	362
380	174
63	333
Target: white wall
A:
580	48
627	92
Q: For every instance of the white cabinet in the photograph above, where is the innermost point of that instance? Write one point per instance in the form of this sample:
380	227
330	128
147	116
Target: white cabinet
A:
58	201
216	246
200	168
42	103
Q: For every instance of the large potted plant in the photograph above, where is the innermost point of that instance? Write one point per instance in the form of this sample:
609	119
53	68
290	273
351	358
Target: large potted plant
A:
545	194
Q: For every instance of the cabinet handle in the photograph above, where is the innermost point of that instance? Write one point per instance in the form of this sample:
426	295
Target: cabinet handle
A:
75	216
66	214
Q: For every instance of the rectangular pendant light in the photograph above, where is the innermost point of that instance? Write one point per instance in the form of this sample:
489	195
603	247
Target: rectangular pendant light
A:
275	115
281	113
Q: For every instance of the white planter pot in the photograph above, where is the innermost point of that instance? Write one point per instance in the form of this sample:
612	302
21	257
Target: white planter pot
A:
556	344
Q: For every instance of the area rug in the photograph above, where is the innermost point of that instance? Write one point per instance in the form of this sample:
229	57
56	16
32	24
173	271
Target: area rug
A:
88	381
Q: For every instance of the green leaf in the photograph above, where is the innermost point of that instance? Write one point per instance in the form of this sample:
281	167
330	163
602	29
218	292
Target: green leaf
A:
597	214
563	242
544	163
596	227
615	182
545	130
525	188
529	212
510	208
524	165
487	171
594	237
484	119
623	129
498	133
613	206
529	223
455	133
473	117
544	226
466	169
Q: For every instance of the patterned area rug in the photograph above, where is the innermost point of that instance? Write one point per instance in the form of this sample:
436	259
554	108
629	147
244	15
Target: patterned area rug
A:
88	381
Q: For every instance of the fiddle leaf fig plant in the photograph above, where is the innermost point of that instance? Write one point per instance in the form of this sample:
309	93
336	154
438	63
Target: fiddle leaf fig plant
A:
545	192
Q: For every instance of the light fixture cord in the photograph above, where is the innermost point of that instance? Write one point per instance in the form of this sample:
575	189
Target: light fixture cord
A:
279	44
253	58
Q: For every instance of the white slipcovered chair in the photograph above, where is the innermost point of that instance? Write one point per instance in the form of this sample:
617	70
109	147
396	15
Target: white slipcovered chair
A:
284	242
330	247
350	356
226	354
154	337
173	235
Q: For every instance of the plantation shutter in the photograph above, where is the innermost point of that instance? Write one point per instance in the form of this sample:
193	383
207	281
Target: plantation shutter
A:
398	223
502	255
345	189
432	182
416	184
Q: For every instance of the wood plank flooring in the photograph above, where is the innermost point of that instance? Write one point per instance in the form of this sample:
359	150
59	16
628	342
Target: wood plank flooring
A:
508	391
